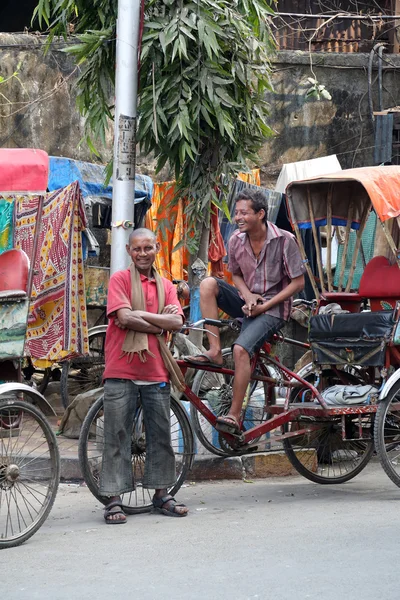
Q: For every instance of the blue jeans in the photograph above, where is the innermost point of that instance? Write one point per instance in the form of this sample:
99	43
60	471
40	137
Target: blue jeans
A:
120	404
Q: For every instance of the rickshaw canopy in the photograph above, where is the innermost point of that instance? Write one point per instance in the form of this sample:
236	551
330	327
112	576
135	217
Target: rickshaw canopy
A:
23	170
378	185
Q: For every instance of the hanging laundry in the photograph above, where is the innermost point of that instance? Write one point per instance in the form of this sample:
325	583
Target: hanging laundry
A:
57	327
168	223
216	249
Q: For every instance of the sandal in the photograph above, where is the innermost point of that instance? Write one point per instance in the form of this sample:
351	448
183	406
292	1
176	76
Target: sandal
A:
159	503
228	424
114	508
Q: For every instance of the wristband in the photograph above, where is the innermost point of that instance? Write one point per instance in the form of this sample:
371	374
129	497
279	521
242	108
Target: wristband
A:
161	332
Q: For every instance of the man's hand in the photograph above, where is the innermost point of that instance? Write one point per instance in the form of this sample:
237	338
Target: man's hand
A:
170	309
118	323
252	300
256	310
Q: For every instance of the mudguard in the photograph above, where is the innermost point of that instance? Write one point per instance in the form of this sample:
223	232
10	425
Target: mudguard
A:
97	329
393	379
35	397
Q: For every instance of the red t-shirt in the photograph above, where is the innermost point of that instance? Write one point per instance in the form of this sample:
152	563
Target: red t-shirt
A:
119	296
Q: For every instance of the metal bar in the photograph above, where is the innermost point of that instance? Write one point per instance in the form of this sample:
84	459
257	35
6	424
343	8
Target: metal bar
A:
340	16
126	83
329	239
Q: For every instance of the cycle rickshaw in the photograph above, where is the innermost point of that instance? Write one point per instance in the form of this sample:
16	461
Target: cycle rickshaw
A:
29	457
327	443
362	342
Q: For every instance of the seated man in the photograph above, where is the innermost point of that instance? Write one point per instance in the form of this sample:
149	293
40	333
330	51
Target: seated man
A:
267	271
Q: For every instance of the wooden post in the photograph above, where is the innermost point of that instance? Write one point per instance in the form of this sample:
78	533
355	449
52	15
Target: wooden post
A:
346	244
391	242
316	241
305	260
329	239
364	219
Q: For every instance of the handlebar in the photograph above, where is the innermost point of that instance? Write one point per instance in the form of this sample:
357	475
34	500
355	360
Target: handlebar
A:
300	301
198	325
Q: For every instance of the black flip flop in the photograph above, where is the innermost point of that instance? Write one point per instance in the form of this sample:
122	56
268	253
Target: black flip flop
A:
158	504
108	511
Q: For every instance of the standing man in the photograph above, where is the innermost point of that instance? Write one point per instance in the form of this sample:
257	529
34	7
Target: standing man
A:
141	307
267	271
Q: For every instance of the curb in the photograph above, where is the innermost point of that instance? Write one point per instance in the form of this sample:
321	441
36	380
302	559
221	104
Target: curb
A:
268	464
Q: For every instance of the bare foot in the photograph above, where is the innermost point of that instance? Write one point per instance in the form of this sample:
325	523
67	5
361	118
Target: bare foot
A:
206	359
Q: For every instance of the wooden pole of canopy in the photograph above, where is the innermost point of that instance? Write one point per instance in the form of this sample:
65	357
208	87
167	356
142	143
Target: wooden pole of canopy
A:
391	242
329	239
346	244
316	241
363	222
305	259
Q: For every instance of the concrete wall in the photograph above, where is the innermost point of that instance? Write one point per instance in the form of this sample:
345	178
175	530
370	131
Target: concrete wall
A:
308	129
39	110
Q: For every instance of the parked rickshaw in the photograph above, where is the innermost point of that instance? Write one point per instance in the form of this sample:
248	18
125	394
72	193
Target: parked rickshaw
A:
357	338
29	457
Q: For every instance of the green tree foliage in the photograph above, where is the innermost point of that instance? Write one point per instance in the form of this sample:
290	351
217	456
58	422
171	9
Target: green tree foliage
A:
203	77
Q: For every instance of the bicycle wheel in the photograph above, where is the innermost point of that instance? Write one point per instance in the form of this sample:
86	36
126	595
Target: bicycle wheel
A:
29	470
215	390
82	374
322	455
91	445
387	434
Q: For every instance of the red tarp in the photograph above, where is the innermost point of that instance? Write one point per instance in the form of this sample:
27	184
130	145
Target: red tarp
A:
23	170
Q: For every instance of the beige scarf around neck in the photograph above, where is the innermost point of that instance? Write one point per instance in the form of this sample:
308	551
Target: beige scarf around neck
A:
136	342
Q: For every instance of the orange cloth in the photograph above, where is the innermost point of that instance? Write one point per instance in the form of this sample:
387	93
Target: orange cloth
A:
168	221
173	265
252	177
216	248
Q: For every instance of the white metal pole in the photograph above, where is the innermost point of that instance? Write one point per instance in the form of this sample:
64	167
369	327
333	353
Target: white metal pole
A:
126	80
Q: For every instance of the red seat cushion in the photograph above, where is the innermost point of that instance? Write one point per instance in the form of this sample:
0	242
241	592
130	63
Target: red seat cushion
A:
380	279
14	268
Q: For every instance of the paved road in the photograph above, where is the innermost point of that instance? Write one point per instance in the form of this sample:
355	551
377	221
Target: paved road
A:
281	539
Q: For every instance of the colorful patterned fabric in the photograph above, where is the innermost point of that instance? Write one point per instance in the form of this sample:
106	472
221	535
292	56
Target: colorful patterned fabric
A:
6	223
167	222
57	326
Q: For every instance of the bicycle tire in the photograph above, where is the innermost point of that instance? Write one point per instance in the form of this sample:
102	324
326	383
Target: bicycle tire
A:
29	471
323	456
90	453
82	374
387	435
215	390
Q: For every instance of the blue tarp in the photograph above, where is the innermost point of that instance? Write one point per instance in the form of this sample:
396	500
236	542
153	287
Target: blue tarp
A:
64	171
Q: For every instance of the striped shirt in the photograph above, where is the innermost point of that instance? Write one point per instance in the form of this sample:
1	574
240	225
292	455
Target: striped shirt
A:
278	263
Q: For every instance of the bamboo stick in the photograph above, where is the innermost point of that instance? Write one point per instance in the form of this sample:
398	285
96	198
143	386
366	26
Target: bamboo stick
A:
329	239
316	241
302	250
363	222
391	242
346	244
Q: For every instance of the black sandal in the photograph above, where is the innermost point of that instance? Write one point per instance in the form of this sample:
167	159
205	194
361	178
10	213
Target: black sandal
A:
158	504
110	510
